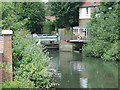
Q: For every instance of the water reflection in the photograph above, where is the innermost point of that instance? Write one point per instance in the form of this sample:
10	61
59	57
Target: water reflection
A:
75	71
83	82
78	66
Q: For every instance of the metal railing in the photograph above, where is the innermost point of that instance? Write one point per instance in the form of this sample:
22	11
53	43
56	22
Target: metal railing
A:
48	39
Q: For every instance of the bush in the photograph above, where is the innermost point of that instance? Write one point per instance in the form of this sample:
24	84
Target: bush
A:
113	53
17	84
104	32
29	61
48	27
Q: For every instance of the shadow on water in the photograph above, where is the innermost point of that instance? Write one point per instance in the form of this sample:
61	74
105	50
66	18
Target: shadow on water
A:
75	71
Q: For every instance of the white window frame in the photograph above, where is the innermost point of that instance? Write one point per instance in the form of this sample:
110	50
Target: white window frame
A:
84	14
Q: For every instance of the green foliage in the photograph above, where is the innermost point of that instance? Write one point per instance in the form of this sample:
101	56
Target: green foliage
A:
48	27
113	53
67	32
35	13
18	15
10	18
29	61
104	32
66	13
17	84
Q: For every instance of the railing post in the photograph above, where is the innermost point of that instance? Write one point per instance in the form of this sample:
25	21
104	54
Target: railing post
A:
7	54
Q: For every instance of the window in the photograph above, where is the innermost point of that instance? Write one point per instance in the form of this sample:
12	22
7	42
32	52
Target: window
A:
85	13
87	10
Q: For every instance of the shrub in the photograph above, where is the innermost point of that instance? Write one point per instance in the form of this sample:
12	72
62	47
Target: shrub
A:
29	61
48	27
17	84
113	53
104	32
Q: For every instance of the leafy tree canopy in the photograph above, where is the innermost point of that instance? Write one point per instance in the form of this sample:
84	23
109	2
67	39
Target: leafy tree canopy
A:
17	15
66	13
104	32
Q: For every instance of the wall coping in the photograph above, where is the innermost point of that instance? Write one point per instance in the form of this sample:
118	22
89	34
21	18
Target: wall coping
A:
1	52
7	32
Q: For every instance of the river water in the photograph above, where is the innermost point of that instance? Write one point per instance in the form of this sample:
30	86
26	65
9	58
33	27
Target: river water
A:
75	71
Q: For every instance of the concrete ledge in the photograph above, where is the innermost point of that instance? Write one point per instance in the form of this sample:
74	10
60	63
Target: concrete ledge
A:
66	47
7	32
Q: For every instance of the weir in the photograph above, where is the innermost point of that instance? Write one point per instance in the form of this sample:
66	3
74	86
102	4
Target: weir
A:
49	41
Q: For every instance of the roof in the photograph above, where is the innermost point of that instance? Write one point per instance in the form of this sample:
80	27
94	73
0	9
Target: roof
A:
90	4
1	44
51	18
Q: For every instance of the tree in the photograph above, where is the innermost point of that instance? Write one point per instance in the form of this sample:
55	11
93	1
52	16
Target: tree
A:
35	13
10	19
17	15
66	13
104	32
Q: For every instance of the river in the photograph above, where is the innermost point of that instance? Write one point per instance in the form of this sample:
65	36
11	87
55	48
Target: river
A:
75	71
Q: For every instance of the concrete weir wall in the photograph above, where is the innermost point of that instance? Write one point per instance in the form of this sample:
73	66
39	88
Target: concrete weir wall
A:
65	35
64	46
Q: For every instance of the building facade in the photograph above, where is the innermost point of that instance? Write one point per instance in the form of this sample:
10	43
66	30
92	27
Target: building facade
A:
85	11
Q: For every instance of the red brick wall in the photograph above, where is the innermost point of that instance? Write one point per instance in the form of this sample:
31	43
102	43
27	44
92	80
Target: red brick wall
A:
1	58
8	57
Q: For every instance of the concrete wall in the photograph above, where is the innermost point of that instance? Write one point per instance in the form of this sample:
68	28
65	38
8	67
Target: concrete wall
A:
64	46
65	35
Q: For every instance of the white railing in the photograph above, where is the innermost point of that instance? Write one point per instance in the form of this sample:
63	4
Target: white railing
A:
47	39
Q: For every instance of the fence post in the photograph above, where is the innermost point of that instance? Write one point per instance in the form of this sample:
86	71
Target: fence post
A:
7	55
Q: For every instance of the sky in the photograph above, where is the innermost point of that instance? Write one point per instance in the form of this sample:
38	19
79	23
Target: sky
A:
45	1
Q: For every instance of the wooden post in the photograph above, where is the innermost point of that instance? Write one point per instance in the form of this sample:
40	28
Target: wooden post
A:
7	55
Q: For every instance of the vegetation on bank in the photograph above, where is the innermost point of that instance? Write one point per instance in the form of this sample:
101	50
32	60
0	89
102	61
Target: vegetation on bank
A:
17	84
30	63
104	32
